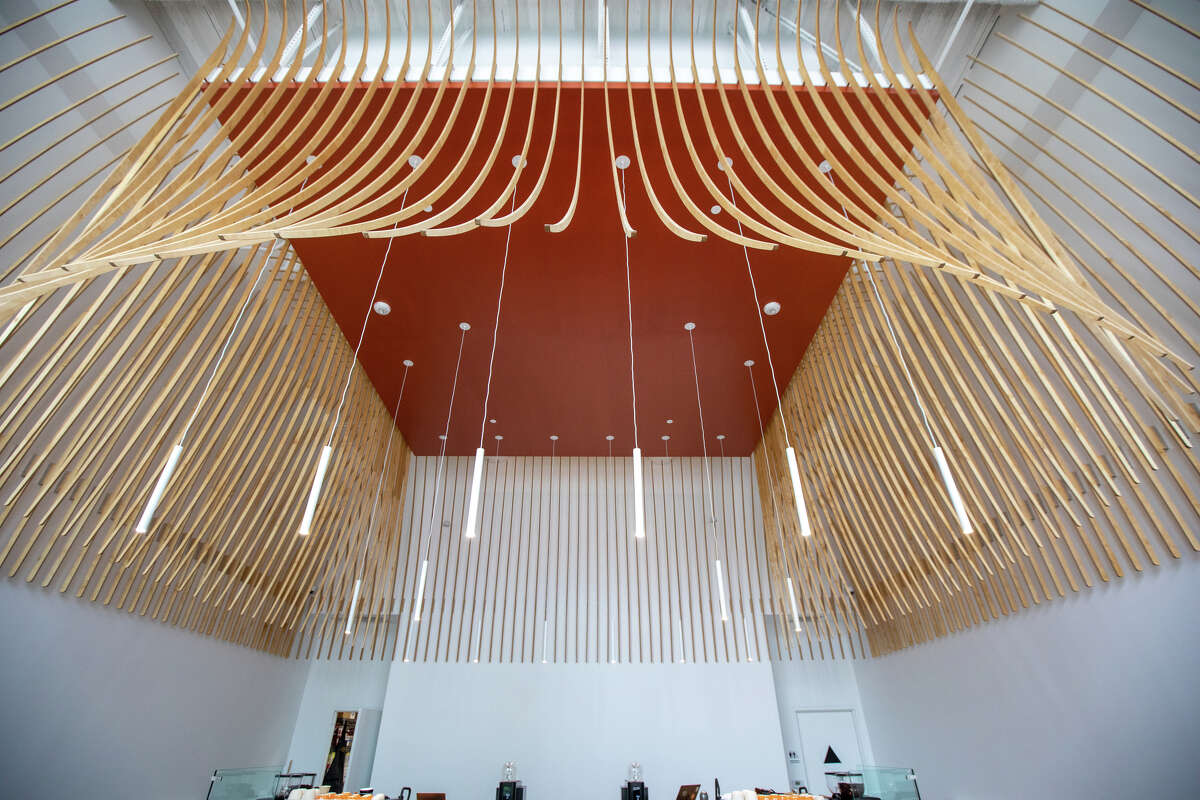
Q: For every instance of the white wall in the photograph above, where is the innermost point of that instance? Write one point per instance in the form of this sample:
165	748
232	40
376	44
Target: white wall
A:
332	686
102	704
573	729
1097	695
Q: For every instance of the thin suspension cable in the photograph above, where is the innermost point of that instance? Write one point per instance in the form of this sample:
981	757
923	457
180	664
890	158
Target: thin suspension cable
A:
386	460
887	318
496	326
363	332
770	471
629	306
228	340
759	313
437	475
233	332
712	512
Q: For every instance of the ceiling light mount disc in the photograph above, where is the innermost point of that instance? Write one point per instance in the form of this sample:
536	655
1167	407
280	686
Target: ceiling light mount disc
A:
382	308
623	162
407	362
414	161
825	167
772	308
689	326
749	362
465	326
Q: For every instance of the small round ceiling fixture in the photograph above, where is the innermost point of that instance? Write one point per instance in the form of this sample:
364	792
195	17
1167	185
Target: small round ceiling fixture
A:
610	437
665	437
554	437
498	437
670	422
725	162
720	437
749	362
518	161
772	308
623	162
491	422
715	210
442	436
428	209
414	161
407	362
465	326
689	326
382	308
825	167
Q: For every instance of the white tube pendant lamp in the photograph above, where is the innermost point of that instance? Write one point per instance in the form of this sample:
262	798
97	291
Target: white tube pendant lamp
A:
639	496
420	591
473	505
795	610
721	591
314	494
956	500
353	605
798	492
159	488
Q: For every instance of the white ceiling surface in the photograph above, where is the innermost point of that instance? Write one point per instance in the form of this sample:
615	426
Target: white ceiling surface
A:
194	27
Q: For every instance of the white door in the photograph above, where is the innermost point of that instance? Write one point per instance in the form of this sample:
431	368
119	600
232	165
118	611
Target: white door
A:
827	734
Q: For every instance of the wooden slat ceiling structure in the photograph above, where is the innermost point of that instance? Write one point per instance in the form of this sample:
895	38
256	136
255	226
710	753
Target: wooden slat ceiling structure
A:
168	314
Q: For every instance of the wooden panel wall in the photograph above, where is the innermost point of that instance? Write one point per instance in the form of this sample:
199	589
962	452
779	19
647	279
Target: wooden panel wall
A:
556	574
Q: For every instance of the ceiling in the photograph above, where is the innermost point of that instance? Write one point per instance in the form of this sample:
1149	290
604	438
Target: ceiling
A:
562	351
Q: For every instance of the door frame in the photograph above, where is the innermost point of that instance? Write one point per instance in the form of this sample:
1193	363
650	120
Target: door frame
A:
855	718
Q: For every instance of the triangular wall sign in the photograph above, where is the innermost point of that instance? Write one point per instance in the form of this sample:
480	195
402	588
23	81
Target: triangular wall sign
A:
831	757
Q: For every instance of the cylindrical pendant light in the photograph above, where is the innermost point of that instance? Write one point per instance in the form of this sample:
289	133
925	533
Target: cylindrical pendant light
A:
314	494
787	566
939	456
690	327
361	566
477	470
793	465
639	489
422	544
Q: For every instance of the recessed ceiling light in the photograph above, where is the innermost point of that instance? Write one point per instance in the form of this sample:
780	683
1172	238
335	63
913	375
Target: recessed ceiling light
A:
771	308
715	209
748	362
382	308
622	162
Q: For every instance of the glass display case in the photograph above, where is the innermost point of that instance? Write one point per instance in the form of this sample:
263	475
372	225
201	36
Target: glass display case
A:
256	783
874	782
243	783
890	783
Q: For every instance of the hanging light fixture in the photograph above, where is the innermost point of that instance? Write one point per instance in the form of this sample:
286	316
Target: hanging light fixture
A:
164	478
422	545
690	327
375	504
639	493
939	456
477	470
789	451
749	365
314	494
